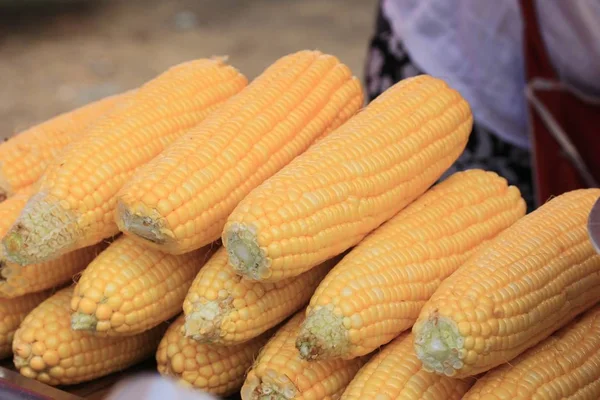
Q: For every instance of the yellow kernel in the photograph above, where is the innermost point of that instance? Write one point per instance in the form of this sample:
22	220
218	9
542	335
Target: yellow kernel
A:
471	357
87	306
38	348
51	358
37	363
177	363
117	319
103	312
103	326
64	351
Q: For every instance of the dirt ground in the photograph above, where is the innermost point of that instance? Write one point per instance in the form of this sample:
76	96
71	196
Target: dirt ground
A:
57	55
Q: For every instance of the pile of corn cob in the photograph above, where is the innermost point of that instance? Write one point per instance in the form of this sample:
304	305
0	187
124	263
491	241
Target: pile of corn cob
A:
273	237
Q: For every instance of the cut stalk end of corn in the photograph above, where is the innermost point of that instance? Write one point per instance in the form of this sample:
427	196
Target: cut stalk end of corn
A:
203	324
322	336
43	231
146	224
272	386
440	346
245	254
83	322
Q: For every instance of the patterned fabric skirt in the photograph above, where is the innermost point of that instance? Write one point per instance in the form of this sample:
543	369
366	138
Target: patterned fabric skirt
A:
388	62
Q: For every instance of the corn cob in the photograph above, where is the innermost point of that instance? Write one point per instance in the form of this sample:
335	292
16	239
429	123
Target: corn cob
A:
129	288
215	369
24	157
179	201
280	373
222	307
46	349
331	196
377	291
75	203
523	285
16	280
396	373
12	312
563	366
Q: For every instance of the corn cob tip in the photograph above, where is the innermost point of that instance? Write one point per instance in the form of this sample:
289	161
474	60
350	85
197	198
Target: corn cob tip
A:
322	336
83	322
245	254
203	323
272	386
144	223
439	345
43	231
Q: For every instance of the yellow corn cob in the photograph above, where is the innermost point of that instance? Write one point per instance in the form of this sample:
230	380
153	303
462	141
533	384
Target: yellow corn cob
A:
523	285
16	280
396	373
179	201
566	365
331	196
129	288
75	203
46	349
12	312
280	373
215	369
24	157
377	291
222	307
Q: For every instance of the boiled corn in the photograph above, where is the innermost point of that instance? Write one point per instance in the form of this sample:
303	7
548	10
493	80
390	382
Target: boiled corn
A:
75	203
179	201
395	373
16	280
222	307
46	349
129	288
12	312
331	196
25	156
566	365
378	289
280	373
523	285
215	369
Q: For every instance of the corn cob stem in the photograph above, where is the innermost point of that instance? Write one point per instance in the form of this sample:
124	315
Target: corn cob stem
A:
245	253
42	220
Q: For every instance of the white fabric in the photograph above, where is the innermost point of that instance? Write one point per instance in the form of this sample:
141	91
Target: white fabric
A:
154	387
571	32
477	47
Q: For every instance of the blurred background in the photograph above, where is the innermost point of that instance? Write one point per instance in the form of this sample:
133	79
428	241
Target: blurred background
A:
56	55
